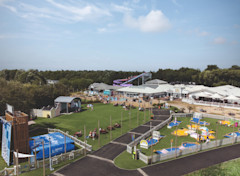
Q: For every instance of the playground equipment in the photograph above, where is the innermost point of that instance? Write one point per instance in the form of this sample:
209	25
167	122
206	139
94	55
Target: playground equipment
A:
152	140
225	122
193	127
235	134
185	145
126	82
196	120
181	132
229	123
190	145
202	137
173	123
197	115
165	151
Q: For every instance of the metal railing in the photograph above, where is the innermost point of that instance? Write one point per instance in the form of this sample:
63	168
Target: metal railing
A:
76	141
39	164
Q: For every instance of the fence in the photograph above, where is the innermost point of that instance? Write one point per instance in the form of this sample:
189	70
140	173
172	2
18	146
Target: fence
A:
215	104
39	164
220	117
76	141
8	171
202	146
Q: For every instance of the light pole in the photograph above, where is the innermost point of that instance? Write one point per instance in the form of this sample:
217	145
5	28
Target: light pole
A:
50	159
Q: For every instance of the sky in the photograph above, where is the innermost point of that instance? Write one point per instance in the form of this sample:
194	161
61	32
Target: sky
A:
128	35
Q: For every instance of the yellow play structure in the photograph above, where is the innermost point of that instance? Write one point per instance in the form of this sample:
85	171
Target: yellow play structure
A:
225	122
180	132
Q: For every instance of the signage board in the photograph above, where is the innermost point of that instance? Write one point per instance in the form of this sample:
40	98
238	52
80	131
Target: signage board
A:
6	141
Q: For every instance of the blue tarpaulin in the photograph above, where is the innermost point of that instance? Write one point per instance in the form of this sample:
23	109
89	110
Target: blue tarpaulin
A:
107	92
57	144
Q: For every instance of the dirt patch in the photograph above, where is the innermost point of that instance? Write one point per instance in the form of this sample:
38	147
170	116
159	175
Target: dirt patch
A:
208	109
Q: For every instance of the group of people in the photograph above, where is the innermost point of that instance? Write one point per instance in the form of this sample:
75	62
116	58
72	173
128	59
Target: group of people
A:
93	134
90	106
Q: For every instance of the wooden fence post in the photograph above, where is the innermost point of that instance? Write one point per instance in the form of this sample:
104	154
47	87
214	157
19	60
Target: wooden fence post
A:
85	152
43	159
99	134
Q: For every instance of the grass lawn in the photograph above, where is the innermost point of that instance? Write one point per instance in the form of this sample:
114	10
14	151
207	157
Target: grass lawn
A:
223	169
102	112
125	161
2	162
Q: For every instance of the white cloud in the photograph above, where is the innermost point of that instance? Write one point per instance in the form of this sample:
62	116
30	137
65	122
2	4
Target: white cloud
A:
81	13
3	3
155	21
203	33
122	9
67	11
176	3
200	32
136	1
101	30
219	40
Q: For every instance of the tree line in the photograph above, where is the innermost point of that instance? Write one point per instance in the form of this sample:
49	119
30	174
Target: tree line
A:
211	76
27	96
26	89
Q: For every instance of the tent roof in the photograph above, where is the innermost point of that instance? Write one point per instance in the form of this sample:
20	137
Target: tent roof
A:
216	96
156	81
65	99
103	86
203	94
231	97
136	89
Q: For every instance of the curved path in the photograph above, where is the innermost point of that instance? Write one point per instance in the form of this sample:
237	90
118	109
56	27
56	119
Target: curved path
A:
100	162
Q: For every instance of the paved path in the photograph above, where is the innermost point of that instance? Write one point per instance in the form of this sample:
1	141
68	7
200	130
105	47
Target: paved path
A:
100	162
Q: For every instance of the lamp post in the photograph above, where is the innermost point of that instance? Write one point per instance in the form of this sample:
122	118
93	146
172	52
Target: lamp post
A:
50	159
